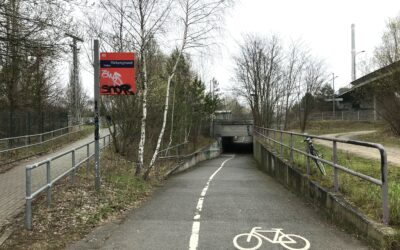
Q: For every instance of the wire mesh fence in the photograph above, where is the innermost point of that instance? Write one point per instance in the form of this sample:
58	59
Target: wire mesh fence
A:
21	123
360	115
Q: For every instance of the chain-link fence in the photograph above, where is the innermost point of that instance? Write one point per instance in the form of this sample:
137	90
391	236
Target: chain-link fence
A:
361	115
21	123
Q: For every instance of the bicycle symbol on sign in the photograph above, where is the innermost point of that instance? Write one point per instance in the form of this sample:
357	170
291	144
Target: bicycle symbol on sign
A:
253	240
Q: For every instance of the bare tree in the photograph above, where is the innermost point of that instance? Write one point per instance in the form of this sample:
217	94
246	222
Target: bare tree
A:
313	78
199	20
389	51
294	65
137	23
31	34
258	73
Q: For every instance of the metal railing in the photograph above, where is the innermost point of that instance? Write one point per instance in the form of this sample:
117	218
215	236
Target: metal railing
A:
176	149
25	141
181	154
49	181
276	137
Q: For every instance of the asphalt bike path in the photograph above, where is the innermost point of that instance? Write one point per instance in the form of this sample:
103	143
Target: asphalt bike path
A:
12	182
210	206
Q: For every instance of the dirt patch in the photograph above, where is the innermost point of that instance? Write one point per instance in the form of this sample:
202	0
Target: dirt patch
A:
393	154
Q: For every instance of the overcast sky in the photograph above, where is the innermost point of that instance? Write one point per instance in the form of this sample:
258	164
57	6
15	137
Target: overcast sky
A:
324	26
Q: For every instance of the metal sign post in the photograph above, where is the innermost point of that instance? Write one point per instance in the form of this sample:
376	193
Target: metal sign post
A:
96	114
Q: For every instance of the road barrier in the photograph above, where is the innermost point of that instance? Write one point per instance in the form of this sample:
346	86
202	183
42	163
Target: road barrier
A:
275	139
30	194
20	142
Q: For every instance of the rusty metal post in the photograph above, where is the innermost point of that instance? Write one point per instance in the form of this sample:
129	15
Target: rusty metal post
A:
48	178
88	159
385	187
291	149
308	160
73	167
335	170
28	198
281	139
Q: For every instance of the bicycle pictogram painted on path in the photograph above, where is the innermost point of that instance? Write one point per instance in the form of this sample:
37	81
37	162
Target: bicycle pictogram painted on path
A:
254	239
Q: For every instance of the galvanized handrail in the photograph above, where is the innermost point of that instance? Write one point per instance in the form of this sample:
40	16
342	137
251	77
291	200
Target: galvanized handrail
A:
27	138
172	147
49	182
382	182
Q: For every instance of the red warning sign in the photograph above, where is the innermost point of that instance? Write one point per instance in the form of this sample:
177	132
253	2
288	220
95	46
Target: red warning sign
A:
117	73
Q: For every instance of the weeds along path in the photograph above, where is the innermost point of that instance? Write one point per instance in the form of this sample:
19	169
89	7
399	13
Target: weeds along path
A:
12	182
393	154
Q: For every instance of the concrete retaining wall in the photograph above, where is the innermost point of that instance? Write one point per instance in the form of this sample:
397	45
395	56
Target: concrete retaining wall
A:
331	205
207	153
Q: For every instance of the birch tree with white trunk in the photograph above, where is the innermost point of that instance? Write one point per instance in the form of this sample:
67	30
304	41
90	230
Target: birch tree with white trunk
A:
199	19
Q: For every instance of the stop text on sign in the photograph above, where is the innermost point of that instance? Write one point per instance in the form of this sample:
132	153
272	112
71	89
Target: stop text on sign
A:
117	73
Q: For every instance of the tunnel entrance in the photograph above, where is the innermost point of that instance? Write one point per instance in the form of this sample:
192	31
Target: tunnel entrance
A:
237	144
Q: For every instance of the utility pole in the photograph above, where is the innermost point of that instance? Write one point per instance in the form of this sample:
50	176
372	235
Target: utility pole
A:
212	115
353	53
75	81
333	95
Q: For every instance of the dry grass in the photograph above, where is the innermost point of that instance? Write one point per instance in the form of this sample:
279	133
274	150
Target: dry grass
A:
363	195
382	136
77	208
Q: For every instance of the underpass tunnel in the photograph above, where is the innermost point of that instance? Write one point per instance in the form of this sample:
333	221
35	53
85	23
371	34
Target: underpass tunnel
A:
237	144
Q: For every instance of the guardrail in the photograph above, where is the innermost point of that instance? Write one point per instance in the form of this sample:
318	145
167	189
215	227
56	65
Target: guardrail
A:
178	148
276	137
25	141
30	194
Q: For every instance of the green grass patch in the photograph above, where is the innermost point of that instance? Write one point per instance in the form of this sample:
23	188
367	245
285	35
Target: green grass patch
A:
360	193
382	136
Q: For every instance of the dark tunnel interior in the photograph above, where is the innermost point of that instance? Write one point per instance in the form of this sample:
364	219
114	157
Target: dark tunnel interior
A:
237	145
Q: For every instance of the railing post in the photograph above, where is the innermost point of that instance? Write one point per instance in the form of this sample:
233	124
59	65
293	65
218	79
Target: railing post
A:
342	115
308	160
358	115
291	149
385	188
28	198
335	171
281	139
88	160
48	177
73	167
104	142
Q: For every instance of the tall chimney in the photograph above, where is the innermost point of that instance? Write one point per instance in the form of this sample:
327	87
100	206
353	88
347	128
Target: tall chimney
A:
353	53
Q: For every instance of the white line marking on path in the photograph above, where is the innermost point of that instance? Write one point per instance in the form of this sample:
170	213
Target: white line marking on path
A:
194	237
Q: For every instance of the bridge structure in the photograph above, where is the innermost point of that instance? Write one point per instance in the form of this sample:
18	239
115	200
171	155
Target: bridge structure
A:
234	134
